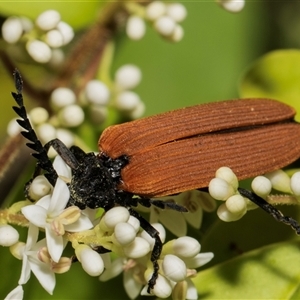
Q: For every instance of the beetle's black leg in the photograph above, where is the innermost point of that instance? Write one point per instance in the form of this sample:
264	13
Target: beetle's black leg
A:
147	202
156	249
270	209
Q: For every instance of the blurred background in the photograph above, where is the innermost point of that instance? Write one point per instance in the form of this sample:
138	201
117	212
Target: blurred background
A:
207	65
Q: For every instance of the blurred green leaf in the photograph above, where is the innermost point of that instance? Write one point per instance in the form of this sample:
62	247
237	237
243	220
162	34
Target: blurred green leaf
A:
275	75
271	272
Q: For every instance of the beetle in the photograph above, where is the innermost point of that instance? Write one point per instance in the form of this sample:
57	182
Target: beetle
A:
171	153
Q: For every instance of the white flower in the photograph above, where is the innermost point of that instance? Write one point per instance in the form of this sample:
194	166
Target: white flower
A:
50	213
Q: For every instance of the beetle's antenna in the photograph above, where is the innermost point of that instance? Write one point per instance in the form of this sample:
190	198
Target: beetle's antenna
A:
270	209
41	153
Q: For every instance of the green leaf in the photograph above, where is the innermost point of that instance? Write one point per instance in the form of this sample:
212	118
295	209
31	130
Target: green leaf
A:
275	75
271	272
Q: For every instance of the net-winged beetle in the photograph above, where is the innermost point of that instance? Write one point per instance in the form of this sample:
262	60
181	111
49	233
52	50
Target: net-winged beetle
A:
171	153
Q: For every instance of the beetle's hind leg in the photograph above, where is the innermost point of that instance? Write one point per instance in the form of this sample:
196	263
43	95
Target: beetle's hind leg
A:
156	249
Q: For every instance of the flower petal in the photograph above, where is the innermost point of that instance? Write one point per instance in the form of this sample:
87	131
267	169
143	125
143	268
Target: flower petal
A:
54	244
32	236
35	214
173	221
16	294
44	202
132	287
199	260
83	223
25	273
61	167
44	275
114	270
59	198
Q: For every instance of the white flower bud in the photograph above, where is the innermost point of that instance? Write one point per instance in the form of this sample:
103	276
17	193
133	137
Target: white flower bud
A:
57	58
48	19
225	215
162	287
67	32
46	132
138	111
135	28
155	10
280	181
177	34
39	51
174	268
13	128
124	233
39	187
295	183
38	115
176	11
199	260
128	76
115	215
165	25
135	223
236	204
138	248
261	186
8	235
17	250
220	189
162	234
97	92
233	6
65	136
71	116
228	175
127	101
91	261
186	247
26	24
54	38
12	30
62	97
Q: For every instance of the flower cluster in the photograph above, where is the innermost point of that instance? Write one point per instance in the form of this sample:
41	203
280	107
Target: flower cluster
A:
224	187
165	18
116	231
43	39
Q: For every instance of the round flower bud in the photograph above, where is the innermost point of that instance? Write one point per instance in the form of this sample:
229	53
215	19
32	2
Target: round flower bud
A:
46	132
12	30
26	24
186	247
91	261
162	234
48	19
228	175
134	222
236	204
176	11
280	181
127	101
174	268
155	10
115	215
54	38
162	287
135	28
138	111
124	233
71	116
97	92
165	25
225	215
39	187
295	183
39	51
177	34
128	76
13	128
57	58
61	97
65	136
138	248
8	235
67	32
233	6
98	113
38	115
261	186
220	189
